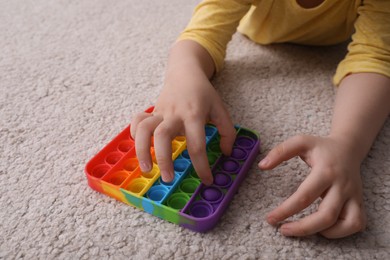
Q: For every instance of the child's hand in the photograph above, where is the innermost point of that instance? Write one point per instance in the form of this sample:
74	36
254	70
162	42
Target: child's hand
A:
335	177
184	106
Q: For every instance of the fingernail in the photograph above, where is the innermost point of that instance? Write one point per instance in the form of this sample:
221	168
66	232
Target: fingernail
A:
264	162
145	167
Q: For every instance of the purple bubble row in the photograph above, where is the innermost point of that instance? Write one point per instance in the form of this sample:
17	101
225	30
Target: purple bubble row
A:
208	198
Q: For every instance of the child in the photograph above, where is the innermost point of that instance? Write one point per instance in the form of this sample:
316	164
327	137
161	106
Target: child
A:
188	100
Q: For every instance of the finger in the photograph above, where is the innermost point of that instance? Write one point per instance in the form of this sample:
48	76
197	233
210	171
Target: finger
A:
144	132
290	148
322	219
196	145
221	119
310	189
163	136
136	120
352	219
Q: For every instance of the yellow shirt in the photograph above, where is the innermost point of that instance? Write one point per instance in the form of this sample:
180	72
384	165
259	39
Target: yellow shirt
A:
274	21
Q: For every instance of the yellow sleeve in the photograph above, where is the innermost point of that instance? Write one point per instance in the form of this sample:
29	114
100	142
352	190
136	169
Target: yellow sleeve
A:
213	24
369	50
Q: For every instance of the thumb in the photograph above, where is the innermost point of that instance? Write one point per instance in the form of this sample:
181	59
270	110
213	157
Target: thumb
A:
294	146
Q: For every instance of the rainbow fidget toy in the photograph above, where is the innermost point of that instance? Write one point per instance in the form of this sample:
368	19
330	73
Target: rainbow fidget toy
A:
115	172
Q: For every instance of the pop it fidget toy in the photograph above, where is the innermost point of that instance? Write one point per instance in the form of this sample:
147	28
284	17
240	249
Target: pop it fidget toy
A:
185	201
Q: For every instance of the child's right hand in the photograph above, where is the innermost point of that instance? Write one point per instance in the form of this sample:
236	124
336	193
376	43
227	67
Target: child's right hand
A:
187	102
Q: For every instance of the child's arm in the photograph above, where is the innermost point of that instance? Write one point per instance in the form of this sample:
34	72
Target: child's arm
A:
187	102
362	105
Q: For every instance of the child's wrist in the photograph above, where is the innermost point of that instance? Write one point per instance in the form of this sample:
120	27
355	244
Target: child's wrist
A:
353	145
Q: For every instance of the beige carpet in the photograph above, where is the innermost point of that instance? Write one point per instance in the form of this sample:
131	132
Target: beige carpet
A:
72	75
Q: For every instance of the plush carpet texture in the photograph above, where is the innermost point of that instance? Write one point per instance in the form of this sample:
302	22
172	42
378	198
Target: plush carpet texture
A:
72	75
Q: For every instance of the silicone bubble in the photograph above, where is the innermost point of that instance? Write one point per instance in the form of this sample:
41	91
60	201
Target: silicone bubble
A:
100	170
230	166
125	146
157	193
212	194
113	158
180	165
239	153
118	178
130	164
177	200
201	209
137	185
189	185
222	180
245	142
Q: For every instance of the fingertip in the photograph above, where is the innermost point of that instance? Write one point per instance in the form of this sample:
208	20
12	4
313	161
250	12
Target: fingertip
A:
208	181
226	149
166	176
205	176
145	166
271	220
264	163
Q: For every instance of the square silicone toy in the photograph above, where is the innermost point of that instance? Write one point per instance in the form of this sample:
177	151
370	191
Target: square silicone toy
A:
185	201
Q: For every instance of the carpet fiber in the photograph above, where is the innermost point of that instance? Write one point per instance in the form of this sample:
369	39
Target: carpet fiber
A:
72	75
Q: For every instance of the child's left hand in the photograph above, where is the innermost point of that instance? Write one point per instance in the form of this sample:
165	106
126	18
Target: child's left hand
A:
334	176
